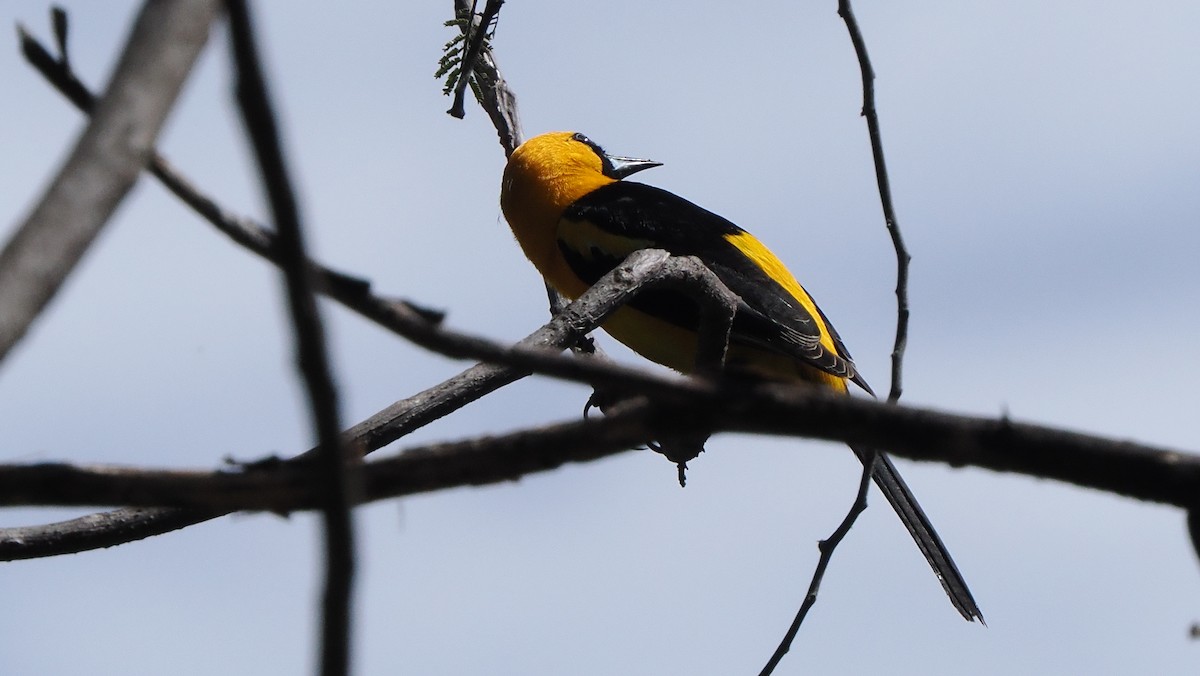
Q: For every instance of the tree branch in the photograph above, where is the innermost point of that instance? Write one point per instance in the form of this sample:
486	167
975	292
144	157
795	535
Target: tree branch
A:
402	417
896	388
496	98
1140	471
332	474
166	39
826	547
1123	467
885	196
287	486
475	35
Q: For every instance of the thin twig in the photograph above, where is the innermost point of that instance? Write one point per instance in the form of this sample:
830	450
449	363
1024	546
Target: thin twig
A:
335	476
718	306
61	24
476	36
826	548
494	94
885	196
106	160
927	539
902	315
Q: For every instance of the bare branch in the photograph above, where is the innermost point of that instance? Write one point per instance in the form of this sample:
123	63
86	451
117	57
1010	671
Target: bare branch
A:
942	565
496	98
827	547
288	486
333	474
403	318
885	196
242	230
166	39
1140	471
476	34
96	531
394	421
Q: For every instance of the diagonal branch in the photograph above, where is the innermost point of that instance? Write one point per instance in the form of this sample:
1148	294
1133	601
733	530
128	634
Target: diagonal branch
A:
240	229
827	547
402	318
402	417
166	39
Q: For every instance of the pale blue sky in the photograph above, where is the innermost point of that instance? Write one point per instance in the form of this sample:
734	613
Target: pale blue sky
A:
1046	170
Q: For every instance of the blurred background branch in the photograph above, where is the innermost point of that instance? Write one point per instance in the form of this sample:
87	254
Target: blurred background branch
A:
108	157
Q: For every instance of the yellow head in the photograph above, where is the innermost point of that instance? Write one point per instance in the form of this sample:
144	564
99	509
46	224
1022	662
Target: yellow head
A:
543	177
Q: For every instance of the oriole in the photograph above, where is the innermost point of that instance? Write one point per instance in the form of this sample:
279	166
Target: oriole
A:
576	219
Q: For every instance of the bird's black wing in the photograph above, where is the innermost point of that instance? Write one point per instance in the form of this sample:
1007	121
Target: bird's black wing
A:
600	229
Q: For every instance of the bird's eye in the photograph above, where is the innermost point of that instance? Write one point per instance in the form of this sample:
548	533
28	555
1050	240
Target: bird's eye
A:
589	143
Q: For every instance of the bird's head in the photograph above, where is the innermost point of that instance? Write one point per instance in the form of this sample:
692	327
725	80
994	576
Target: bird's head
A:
564	152
552	170
545	175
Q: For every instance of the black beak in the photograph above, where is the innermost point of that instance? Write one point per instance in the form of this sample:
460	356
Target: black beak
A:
627	166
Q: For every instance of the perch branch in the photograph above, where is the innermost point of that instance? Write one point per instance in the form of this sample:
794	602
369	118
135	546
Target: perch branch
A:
288	486
1139	471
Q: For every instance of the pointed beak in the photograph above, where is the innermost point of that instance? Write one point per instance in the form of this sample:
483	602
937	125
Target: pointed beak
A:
627	166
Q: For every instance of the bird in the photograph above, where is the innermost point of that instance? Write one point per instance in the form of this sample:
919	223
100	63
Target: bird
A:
576	218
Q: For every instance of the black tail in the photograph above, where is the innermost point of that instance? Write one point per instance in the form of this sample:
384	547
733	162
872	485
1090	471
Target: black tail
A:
902	500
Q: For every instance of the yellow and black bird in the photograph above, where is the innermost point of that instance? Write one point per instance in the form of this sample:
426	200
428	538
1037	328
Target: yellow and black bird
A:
576	219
